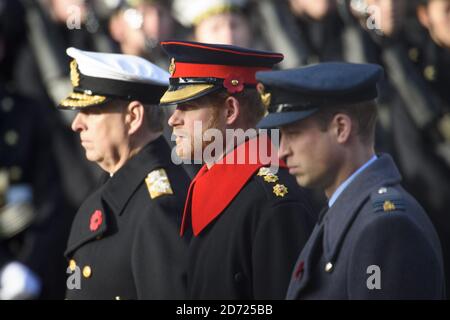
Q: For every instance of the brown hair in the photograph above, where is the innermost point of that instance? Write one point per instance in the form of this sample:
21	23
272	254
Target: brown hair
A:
364	114
251	109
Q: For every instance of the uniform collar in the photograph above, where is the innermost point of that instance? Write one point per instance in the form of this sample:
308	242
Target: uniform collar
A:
115	192
213	190
382	172
127	179
349	180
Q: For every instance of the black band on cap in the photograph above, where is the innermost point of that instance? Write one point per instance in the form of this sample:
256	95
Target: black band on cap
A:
143	92
289	107
186	81
291	100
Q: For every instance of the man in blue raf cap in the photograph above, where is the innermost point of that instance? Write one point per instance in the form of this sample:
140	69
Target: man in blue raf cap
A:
374	241
249	218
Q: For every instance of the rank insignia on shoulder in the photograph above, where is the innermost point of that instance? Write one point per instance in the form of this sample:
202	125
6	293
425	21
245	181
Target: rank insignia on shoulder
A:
280	190
268	175
264	171
388	206
158	183
387	200
271	178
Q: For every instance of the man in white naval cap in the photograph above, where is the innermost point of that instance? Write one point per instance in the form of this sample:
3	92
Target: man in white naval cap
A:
124	242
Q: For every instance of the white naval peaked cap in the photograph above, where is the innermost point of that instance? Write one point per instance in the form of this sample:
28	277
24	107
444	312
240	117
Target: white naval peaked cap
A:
99	77
121	67
191	12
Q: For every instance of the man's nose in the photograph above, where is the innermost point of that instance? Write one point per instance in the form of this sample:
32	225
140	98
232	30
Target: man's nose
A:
175	119
78	123
283	150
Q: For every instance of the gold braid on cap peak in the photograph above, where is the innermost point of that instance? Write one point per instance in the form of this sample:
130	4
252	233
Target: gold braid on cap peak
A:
81	100
74	75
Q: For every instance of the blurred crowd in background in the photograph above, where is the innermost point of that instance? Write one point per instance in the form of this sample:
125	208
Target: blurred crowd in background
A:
44	176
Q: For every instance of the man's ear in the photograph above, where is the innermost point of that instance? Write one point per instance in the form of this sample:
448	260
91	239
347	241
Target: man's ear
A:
232	109
135	116
422	16
342	127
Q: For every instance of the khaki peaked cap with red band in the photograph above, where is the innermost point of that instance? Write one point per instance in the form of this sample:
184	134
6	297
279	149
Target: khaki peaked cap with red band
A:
198	69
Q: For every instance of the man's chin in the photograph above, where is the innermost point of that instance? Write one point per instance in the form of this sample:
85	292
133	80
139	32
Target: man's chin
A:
91	157
303	181
183	155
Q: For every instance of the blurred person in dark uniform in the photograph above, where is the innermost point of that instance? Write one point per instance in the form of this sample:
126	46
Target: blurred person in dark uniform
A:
433	57
124	242
417	113
432	62
320	28
306	31
33	223
40	72
139	25
248	218
52	26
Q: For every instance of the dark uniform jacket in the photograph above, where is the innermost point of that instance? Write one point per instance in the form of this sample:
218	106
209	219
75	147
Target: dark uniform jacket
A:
33	224
249	224
124	241
375	242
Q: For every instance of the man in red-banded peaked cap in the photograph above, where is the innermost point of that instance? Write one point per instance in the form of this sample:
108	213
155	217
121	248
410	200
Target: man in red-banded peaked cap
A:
248	217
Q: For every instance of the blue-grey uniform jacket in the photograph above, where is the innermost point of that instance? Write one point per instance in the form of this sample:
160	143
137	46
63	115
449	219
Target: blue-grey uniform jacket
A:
375	242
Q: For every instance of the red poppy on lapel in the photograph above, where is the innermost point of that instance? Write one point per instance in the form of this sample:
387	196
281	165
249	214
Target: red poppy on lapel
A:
96	220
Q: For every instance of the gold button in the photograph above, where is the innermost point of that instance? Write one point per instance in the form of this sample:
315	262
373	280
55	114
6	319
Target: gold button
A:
87	272
234	82
329	267
7	104
15	173
413	54
430	73
382	190
4	181
72	265
11	137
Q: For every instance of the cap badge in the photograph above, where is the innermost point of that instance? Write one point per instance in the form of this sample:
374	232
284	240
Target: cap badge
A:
74	75
268	175
265	97
172	67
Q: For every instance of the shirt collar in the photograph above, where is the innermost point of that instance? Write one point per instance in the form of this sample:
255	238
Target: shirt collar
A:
344	184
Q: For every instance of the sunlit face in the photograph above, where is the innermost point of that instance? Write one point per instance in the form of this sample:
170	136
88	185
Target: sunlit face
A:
439	21
65	10
103	133
225	28
158	23
317	9
309	153
186	121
